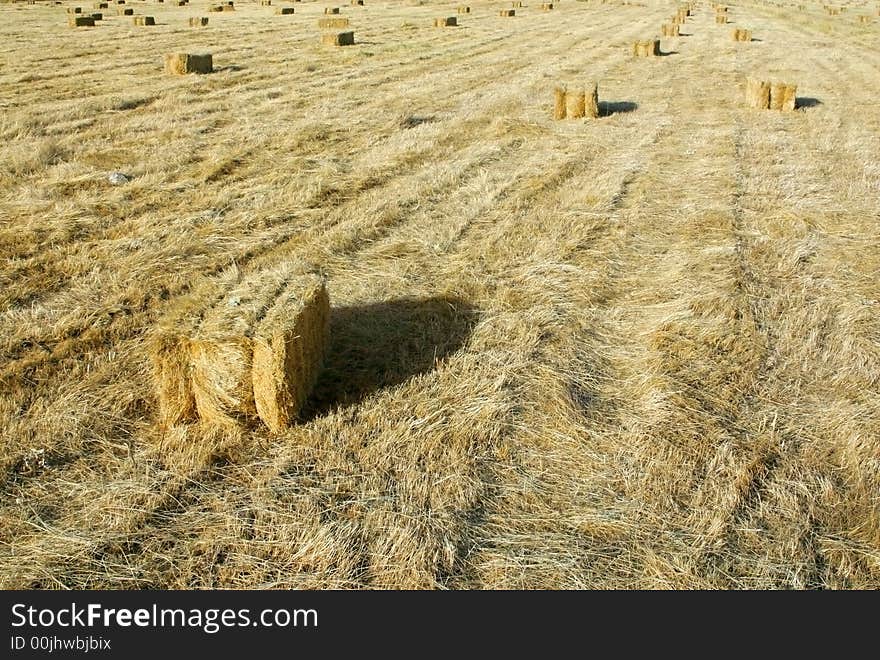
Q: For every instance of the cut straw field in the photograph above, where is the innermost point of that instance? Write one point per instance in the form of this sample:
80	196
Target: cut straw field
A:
634	351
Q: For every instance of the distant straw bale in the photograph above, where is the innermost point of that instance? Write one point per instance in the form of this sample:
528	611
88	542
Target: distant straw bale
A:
338	39
559	103
327	23
183	63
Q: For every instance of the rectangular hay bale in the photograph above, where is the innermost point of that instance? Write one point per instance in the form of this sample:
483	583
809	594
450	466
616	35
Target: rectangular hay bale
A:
559	103
284	11
198	21
289	350
757	94
338	39
330	23
144	20
81	21
183	63
444	22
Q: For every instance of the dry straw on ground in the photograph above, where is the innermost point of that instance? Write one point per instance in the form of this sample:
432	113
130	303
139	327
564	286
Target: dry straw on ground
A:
639	352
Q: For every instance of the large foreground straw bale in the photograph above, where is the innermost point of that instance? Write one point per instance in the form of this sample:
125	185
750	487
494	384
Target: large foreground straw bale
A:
183	63
242	349
169	348
289	348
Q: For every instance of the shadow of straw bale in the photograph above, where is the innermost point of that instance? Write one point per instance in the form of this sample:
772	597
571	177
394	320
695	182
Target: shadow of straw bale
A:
608	108
384	344
806	102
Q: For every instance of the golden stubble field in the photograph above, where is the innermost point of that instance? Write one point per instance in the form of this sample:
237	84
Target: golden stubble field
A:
637	351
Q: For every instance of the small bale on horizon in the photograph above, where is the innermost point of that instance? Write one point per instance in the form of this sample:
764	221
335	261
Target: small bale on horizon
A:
198	21
81	21
284	11
444	22
144	20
